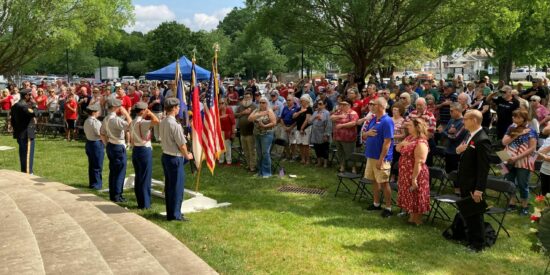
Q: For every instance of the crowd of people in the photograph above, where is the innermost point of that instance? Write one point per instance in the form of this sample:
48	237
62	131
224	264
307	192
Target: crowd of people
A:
393	125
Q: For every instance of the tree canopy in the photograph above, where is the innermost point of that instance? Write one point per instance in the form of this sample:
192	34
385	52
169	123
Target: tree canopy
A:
29	28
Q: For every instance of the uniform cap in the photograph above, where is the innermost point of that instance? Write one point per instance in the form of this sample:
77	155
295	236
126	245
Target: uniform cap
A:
93	108
140	106
114	102
171	101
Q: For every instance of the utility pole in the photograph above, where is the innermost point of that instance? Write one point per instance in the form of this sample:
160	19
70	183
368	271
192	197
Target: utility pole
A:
99	57
67	60
302	71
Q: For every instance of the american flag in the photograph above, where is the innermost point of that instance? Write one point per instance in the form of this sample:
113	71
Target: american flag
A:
212	129
520	145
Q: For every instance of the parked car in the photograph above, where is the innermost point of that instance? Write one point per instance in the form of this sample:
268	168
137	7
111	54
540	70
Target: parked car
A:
128	79
407	74
526	74
228	80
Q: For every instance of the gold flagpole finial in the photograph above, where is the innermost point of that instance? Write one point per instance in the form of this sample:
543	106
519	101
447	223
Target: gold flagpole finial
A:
194	53
216	47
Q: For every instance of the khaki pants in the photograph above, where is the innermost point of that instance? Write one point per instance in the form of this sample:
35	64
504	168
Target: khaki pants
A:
249	149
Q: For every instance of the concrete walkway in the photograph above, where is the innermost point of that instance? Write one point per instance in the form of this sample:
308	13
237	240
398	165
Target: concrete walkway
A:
52	228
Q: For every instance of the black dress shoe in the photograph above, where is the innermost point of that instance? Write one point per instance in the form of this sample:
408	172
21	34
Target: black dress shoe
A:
120	200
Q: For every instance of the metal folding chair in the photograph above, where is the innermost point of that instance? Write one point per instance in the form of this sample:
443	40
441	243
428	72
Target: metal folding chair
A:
504	189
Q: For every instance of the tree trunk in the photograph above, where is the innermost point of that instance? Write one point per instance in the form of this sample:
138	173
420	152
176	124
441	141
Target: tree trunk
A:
505	69
386	72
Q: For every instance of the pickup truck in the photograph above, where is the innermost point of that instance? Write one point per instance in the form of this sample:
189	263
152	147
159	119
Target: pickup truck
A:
526	74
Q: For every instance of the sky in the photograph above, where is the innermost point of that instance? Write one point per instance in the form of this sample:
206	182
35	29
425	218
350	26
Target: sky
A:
195	14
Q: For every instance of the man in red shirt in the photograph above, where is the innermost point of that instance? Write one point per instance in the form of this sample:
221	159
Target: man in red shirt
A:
369	94
357	102
126	101
133	95
70	115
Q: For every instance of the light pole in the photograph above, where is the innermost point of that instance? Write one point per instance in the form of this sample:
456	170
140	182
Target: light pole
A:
67	60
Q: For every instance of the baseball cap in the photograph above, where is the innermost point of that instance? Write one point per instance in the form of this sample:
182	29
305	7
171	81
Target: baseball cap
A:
113	102
171	101
118	84
140	106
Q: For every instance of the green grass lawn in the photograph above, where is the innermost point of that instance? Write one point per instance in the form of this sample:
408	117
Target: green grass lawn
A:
265	232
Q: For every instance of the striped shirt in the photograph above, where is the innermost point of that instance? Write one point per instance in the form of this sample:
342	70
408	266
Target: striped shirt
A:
427	116
520	145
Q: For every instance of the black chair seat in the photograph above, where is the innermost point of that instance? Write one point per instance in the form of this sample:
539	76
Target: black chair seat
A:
449	198
349	175
495	210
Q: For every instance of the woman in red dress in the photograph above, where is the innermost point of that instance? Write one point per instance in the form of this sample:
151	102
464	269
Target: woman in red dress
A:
414	177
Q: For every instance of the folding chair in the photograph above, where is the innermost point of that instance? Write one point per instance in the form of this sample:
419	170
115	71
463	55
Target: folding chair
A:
277	155
504	188
439	175
439	156
347	176
493	161
363	190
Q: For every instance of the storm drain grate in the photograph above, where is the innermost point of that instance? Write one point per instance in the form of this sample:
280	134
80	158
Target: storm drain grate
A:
301	190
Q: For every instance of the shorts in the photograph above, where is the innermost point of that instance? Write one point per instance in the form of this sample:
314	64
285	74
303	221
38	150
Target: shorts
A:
300	139
378	175
70	124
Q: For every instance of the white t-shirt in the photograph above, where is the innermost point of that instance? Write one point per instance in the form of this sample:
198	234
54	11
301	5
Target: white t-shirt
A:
545	168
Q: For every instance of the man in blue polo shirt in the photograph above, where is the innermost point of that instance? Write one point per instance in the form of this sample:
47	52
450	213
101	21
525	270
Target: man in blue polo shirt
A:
378	151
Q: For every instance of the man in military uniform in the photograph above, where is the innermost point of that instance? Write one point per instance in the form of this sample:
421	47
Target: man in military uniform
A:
94	147
142	153
24	128
174	153
113	130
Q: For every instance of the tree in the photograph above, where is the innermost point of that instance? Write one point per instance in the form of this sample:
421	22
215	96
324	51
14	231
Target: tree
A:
129	48
30	28
516	32
236	21
168	42
361	31
204	42
254	56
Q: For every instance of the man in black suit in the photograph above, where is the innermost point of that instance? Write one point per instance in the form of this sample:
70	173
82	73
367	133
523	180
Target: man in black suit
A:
23	121
473	170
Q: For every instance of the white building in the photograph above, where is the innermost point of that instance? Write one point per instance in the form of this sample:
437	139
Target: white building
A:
467	64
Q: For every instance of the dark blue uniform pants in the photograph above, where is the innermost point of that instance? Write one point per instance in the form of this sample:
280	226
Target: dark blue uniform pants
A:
174	182
95	153
142	159
117	170
26	154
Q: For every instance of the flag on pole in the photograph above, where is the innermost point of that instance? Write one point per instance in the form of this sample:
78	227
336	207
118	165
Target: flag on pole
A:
220	144
180	93
210	138
197	125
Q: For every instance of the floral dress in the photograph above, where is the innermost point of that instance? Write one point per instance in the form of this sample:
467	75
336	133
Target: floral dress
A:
417	201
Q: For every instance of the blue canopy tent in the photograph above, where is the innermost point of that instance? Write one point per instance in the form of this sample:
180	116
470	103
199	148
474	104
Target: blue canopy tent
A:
169	72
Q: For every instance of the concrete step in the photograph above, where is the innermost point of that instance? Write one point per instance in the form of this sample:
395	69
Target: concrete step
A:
64	245
124	253
18	247
158	251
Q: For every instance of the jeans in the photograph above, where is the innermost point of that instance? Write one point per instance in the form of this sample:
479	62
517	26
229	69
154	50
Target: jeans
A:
263	146
227	154
520	177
